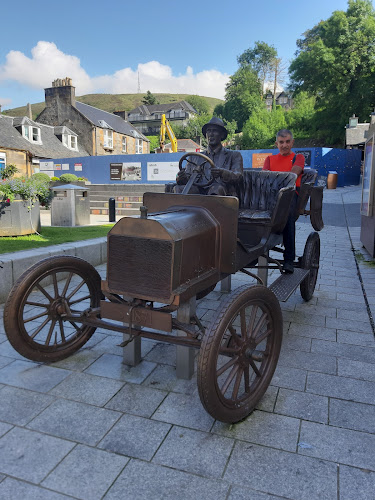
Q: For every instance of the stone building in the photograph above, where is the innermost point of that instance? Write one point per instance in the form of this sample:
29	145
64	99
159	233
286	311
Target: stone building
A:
356	133
147	118
24	142
282	99
99	132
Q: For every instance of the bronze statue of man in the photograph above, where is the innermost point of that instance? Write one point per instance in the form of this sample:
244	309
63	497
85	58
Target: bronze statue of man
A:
228	164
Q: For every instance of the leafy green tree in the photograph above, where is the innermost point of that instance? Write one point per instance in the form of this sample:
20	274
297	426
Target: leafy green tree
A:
301	117
149	99
199	104
154	142
260	129
335	62
193	129
261	58
242	97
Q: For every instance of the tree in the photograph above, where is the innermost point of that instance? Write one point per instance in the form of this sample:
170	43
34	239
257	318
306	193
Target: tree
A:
149	99
199	104
242	96
278	68
335	62
260	130
261	59
301	118
154	142
193	128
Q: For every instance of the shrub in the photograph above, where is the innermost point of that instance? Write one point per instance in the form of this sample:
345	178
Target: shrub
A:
41	176
28	189
8	171
54	178
68	178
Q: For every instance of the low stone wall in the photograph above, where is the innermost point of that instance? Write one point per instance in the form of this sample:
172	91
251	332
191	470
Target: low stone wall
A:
12	265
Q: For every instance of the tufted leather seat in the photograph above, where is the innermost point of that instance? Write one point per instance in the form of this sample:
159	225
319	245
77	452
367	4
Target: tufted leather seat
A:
264	204
259	193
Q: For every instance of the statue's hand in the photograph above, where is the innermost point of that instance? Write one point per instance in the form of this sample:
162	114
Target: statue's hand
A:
182	177
222	172
217	172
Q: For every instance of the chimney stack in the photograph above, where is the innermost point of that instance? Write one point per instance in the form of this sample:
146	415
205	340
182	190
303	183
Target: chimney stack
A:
28	111
122	114
62	91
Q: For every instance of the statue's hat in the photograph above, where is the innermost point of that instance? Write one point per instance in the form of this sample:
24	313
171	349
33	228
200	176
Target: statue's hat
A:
219	123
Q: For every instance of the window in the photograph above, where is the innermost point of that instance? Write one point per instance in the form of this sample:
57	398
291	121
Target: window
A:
73	142
31	133
124	144
138	146
25	131
36	134
108	139
3	160
70	141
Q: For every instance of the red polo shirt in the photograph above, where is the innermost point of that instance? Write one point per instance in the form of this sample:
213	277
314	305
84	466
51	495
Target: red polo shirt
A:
280	163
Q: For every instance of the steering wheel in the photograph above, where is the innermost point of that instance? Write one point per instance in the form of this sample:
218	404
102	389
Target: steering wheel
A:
201	171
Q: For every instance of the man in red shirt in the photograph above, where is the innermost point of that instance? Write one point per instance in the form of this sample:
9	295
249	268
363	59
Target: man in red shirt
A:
287	161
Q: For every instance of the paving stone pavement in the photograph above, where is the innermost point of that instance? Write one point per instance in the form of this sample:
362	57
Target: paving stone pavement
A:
90	427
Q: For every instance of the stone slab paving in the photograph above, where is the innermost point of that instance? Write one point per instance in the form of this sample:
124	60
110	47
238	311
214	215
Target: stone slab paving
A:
90	427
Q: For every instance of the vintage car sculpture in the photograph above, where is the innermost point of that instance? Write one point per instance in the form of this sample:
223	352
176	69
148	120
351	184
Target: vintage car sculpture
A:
179	248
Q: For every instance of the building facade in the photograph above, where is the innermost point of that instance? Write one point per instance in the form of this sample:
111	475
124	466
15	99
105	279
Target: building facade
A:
24	143
147	118
99	132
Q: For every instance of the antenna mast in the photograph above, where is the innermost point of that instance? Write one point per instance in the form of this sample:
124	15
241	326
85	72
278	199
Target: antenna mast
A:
139	84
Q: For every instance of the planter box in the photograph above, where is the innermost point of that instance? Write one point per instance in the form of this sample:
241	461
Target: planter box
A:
16	219
53	184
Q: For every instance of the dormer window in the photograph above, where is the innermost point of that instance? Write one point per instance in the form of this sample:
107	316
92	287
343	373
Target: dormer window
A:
31	133
70	141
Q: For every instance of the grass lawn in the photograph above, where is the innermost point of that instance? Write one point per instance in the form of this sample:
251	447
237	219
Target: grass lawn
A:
52	236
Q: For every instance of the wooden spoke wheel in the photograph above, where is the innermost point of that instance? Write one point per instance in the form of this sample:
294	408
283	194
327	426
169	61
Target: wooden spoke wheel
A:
310	260
239	353
34	314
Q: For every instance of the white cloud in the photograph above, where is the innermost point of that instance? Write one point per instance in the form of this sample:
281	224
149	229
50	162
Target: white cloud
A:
5	101
47	63
269	86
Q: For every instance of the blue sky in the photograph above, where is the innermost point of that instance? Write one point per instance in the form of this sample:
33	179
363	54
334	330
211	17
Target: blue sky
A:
181	46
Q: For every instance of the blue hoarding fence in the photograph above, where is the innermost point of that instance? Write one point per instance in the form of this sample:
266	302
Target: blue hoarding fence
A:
162	168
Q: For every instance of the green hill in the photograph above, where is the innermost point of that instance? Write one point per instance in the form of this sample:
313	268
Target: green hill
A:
112	102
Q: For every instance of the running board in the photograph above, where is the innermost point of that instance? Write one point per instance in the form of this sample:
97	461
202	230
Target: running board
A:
285	285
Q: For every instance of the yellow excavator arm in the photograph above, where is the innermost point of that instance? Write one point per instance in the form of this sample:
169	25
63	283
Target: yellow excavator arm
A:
166	127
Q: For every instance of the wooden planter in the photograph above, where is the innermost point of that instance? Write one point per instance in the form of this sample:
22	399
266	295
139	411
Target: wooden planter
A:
16	219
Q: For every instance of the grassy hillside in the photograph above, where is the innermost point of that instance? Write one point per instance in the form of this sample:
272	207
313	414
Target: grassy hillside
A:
112	102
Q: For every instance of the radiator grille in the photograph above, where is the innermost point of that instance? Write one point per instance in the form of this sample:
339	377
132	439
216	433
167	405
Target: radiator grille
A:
139	266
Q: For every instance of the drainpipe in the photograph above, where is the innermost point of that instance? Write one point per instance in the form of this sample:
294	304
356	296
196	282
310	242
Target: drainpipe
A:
94	137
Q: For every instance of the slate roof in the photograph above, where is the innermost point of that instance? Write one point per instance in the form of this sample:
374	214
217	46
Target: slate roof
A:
51	146
356	135
118	124
184	144
278	94
147	110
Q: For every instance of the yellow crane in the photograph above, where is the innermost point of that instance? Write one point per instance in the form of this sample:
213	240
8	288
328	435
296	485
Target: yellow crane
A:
166	127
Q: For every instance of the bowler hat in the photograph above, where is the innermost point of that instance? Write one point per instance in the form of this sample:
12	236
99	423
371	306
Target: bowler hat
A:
219	123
